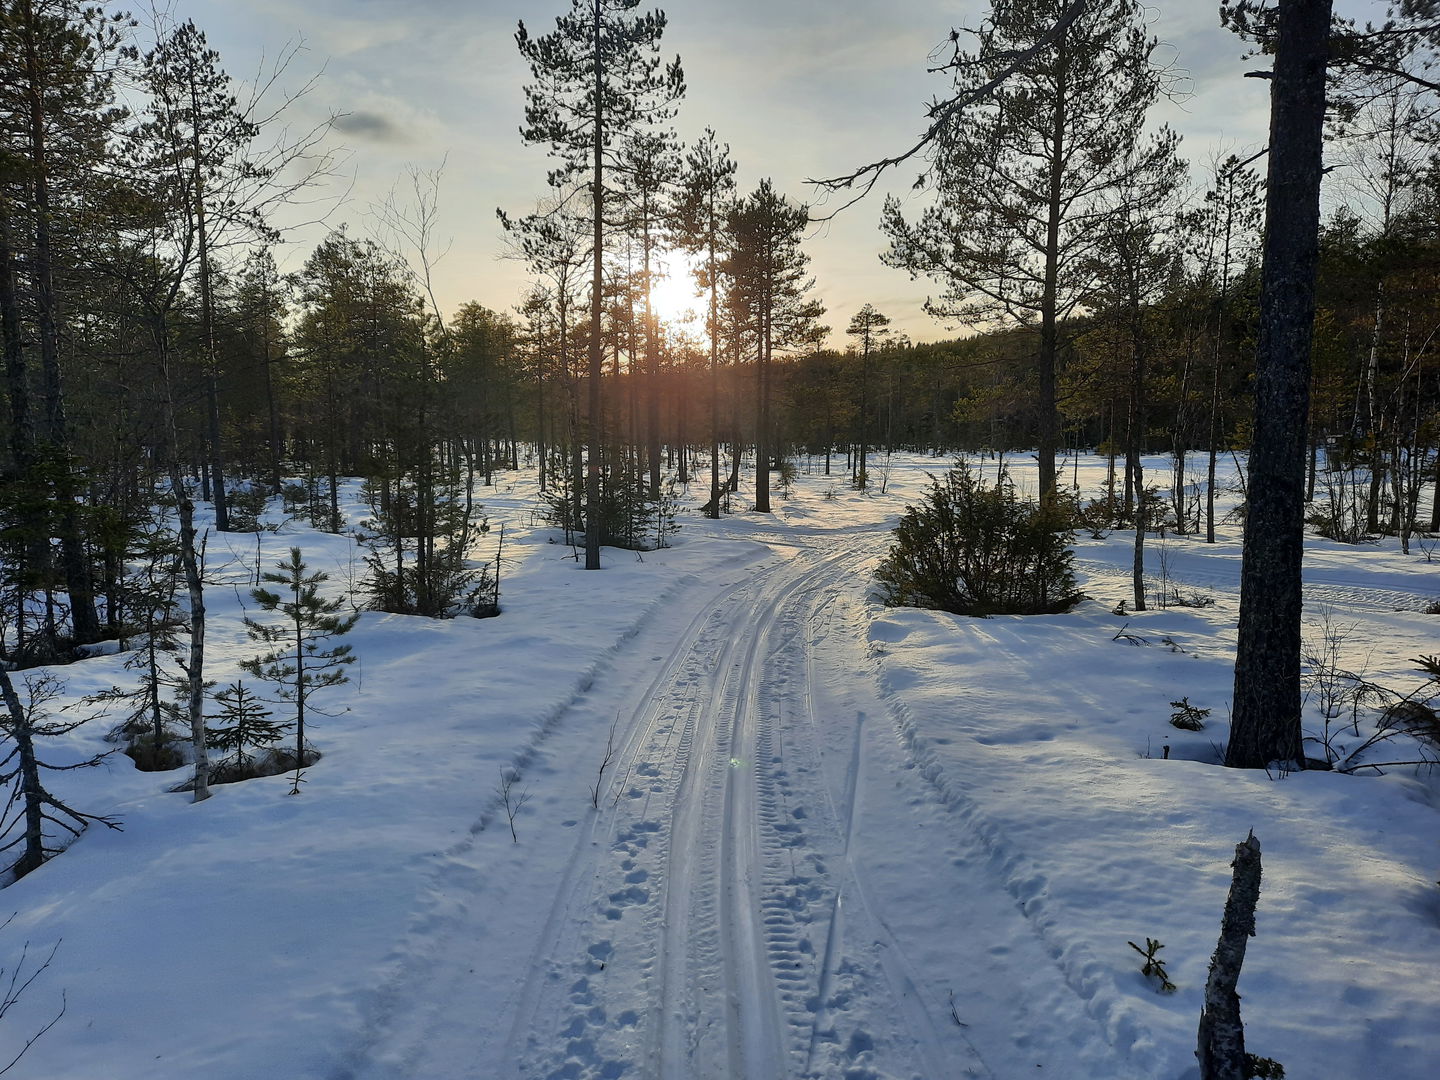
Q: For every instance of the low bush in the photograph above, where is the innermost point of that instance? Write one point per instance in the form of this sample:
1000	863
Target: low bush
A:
974	549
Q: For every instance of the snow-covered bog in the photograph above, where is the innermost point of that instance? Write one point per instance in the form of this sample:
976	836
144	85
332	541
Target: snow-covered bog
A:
832	838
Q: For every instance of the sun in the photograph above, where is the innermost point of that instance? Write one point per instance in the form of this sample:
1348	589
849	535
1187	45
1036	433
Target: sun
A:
675	293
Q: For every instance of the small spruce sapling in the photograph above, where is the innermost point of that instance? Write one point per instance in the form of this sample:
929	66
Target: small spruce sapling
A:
1186	716
1154	967
154	708
303	659
243	726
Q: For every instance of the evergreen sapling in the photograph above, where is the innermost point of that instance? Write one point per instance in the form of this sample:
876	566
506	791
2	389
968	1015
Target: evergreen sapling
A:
243	726
304	659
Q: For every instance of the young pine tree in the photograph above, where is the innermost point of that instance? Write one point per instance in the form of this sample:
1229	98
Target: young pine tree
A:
154	707
303	659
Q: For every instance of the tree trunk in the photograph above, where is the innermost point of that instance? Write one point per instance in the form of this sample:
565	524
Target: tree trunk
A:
862	445
272	405
195	665
29	767
1265	724
1179	444
597	351
17	390
1049	426
1435	496
762	419
300	694
207	322
714	508
1214	451
652	369
1137	470
1221	1040
84	622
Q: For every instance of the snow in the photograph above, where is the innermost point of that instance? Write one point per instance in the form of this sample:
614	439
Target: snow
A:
835	839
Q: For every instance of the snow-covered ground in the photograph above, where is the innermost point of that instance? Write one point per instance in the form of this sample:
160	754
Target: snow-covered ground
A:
832	839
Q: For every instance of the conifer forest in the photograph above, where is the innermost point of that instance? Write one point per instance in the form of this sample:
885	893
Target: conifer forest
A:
614	622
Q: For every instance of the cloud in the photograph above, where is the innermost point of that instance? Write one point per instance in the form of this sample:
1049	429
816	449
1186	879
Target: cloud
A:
371	126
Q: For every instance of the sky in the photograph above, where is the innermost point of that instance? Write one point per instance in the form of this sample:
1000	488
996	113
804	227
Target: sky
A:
798	88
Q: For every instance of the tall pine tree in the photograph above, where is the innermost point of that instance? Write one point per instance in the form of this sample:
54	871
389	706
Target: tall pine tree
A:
1021	174
598	76
768	287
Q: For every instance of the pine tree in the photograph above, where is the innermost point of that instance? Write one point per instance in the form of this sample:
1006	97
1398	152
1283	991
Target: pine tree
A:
767	271
261	310
1265	724
1225	227
869	326
597	76
156	703
303	661
1306	43
1022	174
555	244
200	139
417	542
707	184
57	96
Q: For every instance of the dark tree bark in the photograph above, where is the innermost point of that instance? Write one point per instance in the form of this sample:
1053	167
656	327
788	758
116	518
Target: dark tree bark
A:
85	623
597	342
1137	470
1265	724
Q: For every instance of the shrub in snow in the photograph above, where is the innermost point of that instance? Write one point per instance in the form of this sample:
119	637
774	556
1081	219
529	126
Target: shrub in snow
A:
980	550
417	540
246	502
1095	517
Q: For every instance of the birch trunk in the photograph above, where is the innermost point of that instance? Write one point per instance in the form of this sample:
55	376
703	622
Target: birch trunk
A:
1221	1040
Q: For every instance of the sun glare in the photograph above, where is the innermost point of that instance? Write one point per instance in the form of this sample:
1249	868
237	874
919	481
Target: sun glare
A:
674	297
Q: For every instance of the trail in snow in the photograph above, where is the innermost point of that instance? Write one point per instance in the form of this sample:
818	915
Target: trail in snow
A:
713	917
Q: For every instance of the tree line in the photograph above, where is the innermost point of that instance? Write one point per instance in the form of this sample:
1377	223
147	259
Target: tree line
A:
1107	296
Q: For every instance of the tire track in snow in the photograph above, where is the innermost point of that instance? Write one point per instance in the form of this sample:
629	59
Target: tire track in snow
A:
681	899
708	921
652	913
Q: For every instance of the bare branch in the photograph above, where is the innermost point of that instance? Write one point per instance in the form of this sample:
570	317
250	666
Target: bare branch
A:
941	114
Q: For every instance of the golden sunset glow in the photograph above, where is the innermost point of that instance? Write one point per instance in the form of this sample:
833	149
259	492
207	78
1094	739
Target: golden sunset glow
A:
675	296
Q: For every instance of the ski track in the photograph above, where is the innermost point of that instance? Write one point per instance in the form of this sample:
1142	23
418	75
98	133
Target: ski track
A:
1315	587
711	893
712	919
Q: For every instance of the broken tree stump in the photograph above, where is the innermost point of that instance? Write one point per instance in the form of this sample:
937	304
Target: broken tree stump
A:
1221	1048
